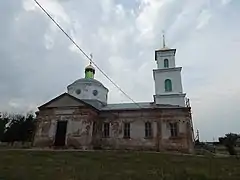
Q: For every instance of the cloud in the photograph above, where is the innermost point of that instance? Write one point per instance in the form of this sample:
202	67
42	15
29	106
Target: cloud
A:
38	61
225	2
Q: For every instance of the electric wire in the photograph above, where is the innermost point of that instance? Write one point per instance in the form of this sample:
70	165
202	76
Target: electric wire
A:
80	49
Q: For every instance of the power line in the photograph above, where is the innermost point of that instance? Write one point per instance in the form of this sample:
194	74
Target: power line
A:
85	53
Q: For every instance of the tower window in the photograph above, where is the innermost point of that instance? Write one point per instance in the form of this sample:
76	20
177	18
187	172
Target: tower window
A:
106	130
166	63
168	85
148	130
174	129
126	130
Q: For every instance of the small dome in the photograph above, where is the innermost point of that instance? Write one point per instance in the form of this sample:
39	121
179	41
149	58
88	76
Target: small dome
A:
88	89
89	71
90	67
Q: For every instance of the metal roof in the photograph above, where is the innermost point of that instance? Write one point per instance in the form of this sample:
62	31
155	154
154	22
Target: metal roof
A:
87	81
95	103
127	106
135	106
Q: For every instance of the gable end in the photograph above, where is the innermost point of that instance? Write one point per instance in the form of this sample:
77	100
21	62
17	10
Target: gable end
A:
69	101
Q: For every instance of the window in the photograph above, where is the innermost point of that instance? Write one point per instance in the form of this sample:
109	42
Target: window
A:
95	92
126	130
148	130
94	129
106	130
174	129
168	85
78	91
166	63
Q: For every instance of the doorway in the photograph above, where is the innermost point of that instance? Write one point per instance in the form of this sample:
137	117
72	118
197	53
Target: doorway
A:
60	135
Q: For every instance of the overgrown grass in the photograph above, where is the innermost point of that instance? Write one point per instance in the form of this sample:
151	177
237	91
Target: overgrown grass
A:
43	165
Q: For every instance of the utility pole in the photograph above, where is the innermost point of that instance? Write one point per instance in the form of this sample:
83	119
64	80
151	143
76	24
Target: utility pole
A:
197	136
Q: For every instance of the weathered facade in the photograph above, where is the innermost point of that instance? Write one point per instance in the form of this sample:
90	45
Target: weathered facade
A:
85	126
83	119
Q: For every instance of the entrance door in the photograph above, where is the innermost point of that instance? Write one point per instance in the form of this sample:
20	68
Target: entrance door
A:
60	135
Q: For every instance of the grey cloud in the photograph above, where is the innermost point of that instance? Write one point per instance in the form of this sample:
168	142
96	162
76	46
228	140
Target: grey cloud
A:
31	73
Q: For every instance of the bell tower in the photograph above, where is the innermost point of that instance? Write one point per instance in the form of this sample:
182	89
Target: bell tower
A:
167	77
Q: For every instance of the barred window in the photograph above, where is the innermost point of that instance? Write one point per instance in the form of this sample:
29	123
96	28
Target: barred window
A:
174	129
106	130
148	129
126	130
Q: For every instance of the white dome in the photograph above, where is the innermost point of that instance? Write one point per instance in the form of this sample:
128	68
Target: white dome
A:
88	89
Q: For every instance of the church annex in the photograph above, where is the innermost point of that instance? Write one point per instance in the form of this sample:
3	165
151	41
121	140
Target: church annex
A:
82	118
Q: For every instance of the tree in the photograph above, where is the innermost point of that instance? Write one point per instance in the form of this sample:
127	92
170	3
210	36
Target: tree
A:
12	132
221	140
229	141
27	128
20	128
3	123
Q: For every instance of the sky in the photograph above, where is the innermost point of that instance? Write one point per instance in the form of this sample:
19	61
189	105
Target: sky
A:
38	62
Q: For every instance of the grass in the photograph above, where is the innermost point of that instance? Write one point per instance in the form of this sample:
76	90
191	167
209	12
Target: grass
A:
46	165
222	150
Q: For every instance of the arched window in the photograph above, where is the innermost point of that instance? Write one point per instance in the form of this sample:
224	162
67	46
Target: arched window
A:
166	63
168	85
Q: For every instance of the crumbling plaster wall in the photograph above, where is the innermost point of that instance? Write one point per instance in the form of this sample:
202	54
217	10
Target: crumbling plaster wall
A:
184	139
160	119
137	138
79	127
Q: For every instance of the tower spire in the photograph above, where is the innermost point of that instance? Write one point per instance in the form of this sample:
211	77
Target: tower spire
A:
91	57
164	43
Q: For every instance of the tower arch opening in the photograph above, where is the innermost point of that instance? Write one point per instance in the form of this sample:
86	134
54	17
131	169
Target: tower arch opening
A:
168	85
166	63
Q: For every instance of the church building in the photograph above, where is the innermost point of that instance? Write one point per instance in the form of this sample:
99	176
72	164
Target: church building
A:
81	118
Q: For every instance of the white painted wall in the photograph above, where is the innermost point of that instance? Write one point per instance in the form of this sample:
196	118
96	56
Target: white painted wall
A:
160	62
87	91
161	55
174	74
172	100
